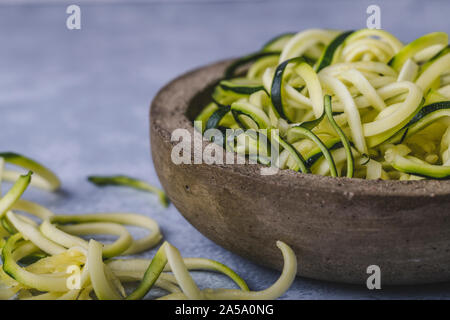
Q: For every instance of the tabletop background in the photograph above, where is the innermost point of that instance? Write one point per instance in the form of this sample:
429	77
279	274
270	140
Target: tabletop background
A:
78	100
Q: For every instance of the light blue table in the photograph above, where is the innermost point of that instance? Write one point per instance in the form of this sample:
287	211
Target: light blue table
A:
78	100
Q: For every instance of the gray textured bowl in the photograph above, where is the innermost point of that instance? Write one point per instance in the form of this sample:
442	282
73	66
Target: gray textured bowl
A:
336	226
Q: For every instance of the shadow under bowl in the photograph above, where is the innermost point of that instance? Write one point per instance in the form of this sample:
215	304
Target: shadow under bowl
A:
336	226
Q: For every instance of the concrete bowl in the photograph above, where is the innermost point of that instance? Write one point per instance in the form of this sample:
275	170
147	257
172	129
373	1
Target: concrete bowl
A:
336	226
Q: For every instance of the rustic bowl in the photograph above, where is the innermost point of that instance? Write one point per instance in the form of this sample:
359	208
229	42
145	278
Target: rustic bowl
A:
336	226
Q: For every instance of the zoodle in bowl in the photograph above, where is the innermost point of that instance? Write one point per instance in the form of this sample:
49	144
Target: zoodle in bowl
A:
357	104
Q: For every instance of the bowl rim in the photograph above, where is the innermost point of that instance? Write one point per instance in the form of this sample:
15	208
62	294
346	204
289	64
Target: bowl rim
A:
168	100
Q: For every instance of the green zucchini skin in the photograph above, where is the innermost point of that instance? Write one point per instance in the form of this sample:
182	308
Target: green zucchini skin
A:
241	88
237	113
441	53
231	70
313	123
8	227
224	98
121	180
242	108
7	253
204	115
298	158
419	120
400	135
313	159
13	194
306	133
431	108
11	267
32	258
276	88
216	117
344	140
32	165
152	273
328	54
423	170
415	46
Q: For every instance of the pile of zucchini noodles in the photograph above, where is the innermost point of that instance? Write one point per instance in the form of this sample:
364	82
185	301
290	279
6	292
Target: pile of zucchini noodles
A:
49	260
356	104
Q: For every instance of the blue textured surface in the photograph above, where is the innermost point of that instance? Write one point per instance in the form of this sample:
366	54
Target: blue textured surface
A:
78	100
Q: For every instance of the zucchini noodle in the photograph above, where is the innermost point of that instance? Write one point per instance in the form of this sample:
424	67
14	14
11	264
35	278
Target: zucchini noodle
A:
103	288
30	232
53	260
389	93
278	288
135	268
179	269
136	246
102	181
43	177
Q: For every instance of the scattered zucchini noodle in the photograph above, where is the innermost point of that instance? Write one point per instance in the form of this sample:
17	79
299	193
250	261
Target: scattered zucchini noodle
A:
132	183
41	259
43	177
380	95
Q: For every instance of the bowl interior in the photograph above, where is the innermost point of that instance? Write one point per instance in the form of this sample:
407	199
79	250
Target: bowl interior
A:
199	101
